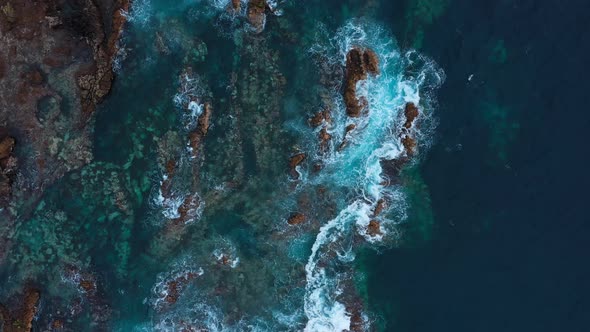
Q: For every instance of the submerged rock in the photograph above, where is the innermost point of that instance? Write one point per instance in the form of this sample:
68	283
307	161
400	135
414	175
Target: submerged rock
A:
297	219
21	318
359	64
48	48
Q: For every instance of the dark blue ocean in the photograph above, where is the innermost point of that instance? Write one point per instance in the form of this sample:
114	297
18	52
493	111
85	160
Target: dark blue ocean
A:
507	181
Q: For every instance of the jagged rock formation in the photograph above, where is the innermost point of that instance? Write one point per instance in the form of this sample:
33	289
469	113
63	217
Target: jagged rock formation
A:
55	66
297	219
408	139
21	318
360	63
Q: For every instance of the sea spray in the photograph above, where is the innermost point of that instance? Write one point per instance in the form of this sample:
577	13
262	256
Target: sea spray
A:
355	171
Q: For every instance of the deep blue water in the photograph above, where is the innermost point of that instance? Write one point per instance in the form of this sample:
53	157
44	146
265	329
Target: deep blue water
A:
511	246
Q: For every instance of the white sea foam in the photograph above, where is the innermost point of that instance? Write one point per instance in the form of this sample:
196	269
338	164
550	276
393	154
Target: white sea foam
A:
140	12
181	269
357	169
226	254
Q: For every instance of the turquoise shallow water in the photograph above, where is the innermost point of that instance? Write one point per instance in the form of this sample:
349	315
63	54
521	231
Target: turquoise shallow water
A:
160	233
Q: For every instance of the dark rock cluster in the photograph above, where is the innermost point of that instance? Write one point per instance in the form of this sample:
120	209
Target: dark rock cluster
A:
360	63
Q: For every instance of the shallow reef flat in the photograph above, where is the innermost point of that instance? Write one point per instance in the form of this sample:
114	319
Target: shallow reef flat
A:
221	165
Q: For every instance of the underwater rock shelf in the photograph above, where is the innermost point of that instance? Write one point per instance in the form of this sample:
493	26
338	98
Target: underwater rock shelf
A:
201	166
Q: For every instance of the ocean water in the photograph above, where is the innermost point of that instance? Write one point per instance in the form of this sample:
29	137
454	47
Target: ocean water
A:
483	226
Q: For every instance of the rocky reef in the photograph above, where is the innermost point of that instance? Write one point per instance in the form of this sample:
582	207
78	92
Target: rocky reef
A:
55	66
360	63
8	168
21	318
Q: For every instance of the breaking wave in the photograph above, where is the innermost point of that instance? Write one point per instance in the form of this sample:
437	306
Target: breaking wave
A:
356	171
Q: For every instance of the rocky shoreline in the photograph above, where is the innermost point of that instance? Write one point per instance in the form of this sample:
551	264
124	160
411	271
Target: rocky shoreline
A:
55	67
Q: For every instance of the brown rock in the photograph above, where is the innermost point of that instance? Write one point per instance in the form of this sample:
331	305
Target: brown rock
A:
409	144
21	319
57	324
374	228
6	146
359	64
175	286
257	14
186	210
392	168
371	62
325	137
319	118
379	207
87	286
411	112
349	128
296	219
173	292
295	160
170	167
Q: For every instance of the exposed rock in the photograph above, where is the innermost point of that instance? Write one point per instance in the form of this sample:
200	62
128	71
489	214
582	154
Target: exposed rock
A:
257	14
319	118
411	112
349	128
188	209
296	219
196	136
381	204
374	228
325	138
409	144
21	319
166	185
96	82
88	286
294	161
6	146
359	64
297	159
57	324
175	286
407	137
